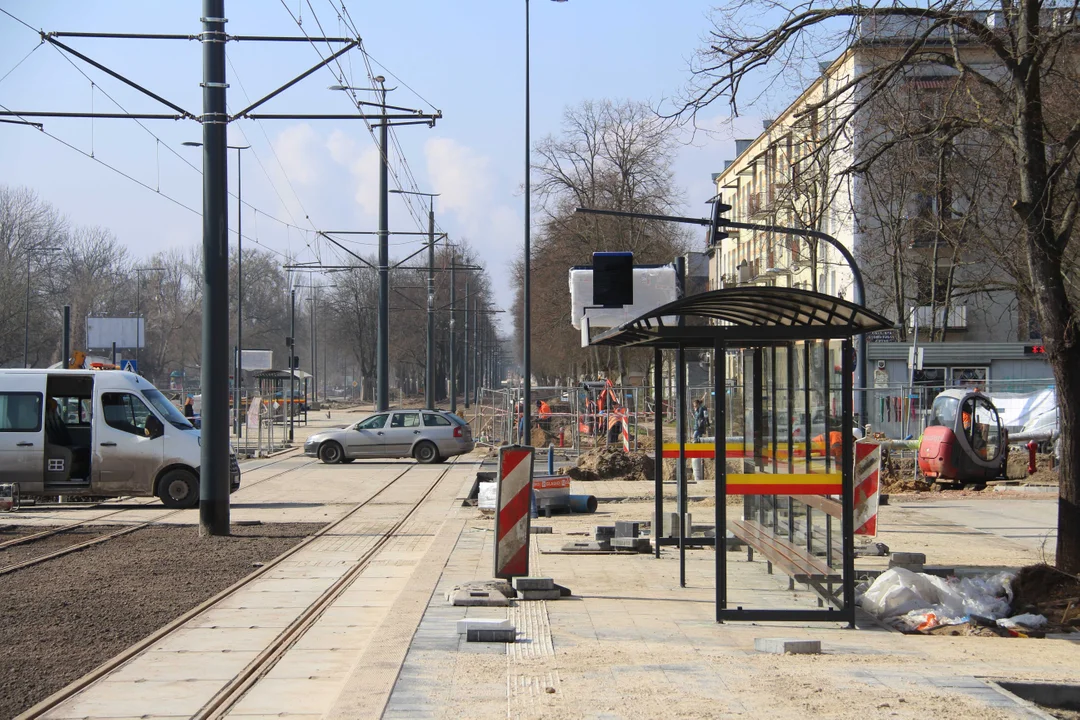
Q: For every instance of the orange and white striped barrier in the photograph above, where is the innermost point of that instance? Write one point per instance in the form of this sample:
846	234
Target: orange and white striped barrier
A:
737	450
513	493
785	484
867	486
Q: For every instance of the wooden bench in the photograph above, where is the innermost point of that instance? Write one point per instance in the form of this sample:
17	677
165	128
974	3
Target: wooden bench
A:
792	560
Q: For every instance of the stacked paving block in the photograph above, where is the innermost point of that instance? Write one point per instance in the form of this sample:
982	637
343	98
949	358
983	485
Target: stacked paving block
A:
912	561
628	537
534	588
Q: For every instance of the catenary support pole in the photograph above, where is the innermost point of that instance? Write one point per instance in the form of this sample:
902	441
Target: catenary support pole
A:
292	361
429	371
239	369
214	468
382	360
465	355
453	332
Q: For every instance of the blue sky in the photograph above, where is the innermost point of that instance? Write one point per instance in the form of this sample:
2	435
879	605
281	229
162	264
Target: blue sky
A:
464	58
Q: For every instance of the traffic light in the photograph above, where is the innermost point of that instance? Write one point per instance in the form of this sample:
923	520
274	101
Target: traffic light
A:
295	363
716	227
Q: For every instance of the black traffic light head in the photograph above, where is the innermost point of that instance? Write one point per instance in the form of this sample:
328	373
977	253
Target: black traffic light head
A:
716	228
613	279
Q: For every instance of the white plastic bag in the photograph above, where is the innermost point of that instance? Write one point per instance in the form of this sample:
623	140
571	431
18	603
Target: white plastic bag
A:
908	599
486	498
1027	621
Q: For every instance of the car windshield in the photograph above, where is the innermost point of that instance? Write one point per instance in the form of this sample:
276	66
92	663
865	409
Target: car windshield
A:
166	408
372	423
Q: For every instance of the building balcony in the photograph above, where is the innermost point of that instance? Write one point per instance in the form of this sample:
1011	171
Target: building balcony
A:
955	319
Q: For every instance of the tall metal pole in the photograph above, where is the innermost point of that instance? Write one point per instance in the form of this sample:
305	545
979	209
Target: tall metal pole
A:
429	379
292	363
65	358
526	324
214	468
239	294
311	329
138	314
382	361
465	357
26	327
453	333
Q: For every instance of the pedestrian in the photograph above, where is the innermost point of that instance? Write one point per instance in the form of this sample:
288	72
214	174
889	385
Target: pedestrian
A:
701	420
189	407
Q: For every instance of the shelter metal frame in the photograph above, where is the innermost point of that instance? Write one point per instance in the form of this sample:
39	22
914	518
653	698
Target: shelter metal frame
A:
741	318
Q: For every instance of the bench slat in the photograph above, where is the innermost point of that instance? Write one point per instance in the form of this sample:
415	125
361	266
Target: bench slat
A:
794	561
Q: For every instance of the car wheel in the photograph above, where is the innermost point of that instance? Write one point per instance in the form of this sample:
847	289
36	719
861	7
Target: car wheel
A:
425	452
347	460
441	459
179	489
331	453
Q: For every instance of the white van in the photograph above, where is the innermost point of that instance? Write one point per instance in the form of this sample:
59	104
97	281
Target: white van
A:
97	432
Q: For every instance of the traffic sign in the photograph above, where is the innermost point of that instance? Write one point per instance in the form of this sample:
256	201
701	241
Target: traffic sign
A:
130	366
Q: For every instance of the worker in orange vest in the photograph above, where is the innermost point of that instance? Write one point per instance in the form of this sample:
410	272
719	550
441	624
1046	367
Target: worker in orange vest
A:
543	414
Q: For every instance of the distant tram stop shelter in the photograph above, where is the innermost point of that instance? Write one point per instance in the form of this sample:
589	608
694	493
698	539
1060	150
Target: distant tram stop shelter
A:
783	363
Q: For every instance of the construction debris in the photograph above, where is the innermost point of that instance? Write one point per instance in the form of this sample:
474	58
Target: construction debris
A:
611	463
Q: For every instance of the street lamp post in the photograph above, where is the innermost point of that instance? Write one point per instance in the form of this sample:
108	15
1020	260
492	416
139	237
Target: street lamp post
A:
429	375
139	332
26	328
239	362
527	298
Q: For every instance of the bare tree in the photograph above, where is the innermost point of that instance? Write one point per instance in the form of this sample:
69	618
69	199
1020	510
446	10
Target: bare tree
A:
1028	64
610	155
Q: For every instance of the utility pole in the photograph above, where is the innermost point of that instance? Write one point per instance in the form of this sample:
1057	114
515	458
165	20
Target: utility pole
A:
292	363
214	467
314	357
382	360
453	347
465	361
429	376
65	358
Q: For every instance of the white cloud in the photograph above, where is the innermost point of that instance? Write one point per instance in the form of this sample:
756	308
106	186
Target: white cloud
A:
296	148
362	164
462	176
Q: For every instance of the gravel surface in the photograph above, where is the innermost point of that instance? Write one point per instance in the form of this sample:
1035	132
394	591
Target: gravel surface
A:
61	619
46	545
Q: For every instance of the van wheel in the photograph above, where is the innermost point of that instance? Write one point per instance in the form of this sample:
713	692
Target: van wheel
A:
425	452
331	453
179	489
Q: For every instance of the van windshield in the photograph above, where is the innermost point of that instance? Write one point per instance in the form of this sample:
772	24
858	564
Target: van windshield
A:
166	408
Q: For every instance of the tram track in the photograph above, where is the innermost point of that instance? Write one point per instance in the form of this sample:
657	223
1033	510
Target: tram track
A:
91	522
232	692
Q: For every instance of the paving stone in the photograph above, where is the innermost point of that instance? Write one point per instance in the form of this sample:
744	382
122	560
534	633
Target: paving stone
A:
533	583
627	528
589	546
479	598
604	532
787	646
563	591
503	636
541	594
463	626
907	558
632	543
540	529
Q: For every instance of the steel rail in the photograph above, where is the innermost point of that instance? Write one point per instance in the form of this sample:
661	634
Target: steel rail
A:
77	686
226	699
109	536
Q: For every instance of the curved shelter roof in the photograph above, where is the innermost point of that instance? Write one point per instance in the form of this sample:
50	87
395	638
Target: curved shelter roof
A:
746	315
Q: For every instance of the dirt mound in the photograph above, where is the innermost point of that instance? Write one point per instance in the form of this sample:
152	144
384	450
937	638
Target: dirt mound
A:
895	484
611	463
1047	591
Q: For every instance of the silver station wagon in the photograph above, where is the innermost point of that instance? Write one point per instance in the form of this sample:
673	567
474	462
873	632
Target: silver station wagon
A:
430	436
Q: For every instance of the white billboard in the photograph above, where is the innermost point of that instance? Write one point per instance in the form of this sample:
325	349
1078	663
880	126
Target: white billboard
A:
102	332
257	359
653	286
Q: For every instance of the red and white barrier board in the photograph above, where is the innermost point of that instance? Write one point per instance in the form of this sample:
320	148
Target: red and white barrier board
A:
512	511
867	486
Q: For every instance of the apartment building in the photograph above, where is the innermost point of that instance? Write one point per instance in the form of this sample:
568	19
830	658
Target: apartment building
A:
895	220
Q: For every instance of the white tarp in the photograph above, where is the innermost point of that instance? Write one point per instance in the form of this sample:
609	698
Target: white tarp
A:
1018	409
911	600
653	287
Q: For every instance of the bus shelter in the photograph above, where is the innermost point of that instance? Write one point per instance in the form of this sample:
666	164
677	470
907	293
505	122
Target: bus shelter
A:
782	396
